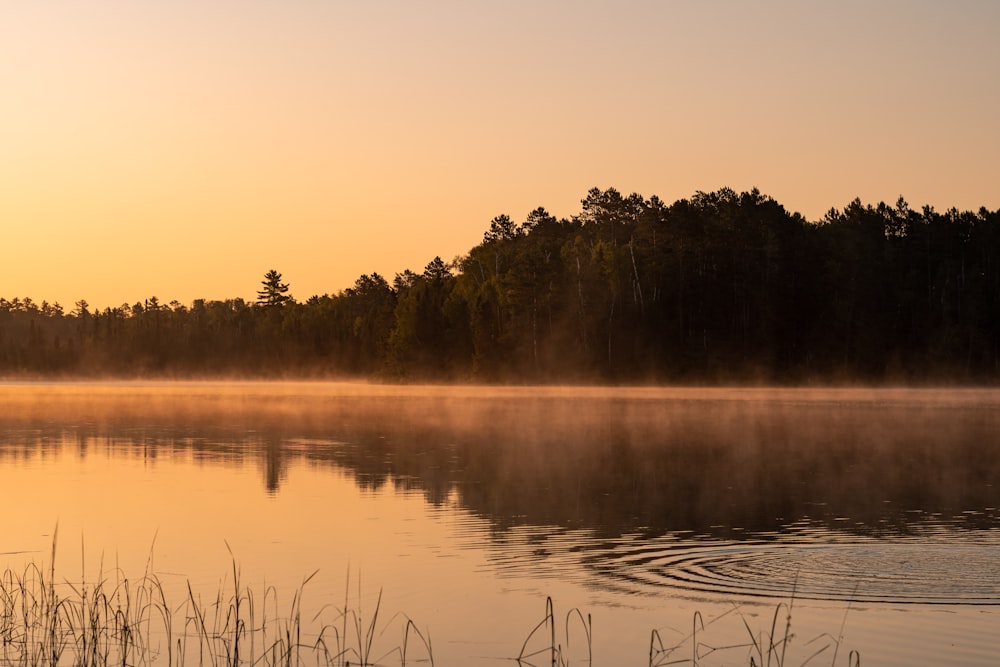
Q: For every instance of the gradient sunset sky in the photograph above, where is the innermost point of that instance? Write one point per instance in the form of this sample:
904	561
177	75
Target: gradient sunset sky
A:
182	148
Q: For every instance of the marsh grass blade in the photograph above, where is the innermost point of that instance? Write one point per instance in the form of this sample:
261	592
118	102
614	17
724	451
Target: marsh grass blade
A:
128	622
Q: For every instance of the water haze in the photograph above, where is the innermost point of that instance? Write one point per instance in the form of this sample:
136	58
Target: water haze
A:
868	510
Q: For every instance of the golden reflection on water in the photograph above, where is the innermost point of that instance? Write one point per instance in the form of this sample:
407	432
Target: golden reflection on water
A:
469	505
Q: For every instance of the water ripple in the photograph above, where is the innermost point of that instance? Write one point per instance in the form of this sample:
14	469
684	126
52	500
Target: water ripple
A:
897	572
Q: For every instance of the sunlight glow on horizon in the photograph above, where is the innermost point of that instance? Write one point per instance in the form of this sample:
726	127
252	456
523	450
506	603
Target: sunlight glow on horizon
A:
181	150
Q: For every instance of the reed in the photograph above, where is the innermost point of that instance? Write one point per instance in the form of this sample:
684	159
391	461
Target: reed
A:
116	620
556	652
762	648
129	622
542	645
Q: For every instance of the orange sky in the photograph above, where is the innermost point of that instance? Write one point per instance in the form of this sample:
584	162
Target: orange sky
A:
181	149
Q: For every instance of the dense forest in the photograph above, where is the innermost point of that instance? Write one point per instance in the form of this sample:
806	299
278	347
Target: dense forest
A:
720	287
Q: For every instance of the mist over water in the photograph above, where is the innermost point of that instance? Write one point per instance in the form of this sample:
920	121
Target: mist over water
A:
639	504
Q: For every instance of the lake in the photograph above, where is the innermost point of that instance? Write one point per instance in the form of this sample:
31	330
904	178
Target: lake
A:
870	514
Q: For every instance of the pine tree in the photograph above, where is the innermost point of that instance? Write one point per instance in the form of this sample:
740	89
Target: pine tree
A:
274	292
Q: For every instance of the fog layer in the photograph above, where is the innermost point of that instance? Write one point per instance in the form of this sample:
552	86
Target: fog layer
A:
711	461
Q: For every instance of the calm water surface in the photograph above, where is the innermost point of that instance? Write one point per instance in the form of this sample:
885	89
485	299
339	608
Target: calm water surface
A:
875	511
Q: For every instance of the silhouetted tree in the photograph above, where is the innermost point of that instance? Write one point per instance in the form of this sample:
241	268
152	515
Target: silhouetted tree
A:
718	287
274	292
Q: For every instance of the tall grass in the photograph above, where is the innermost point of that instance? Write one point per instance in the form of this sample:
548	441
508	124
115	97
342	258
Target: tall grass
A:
545	645
129	622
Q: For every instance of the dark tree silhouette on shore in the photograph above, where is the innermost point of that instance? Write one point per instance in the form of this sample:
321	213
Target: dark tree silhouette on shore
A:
718	287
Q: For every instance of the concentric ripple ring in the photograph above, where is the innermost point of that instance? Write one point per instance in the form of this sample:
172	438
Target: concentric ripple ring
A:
871	572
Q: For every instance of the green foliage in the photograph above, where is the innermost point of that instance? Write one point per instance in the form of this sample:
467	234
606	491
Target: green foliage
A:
723	286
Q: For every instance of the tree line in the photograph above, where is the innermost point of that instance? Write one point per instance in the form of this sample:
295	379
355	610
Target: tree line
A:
721	286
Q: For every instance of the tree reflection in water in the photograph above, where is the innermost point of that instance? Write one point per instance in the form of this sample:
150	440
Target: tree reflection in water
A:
715	463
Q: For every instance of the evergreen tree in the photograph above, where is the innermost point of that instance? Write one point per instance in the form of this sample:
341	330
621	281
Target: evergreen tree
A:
274	292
